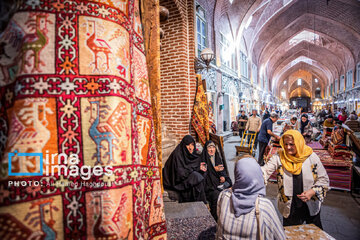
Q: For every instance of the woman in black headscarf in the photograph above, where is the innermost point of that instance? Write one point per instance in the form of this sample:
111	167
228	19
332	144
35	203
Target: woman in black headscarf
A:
216	178
184	173
306	128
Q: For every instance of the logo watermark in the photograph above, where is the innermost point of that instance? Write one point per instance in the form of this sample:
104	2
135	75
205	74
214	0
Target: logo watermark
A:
15	153
68	166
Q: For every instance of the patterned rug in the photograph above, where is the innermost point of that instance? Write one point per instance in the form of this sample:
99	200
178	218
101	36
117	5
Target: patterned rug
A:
328	160
200	116
74	82
338	170
315	145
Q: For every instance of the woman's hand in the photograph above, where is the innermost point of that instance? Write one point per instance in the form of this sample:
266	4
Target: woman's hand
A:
222	179
219	168
203	167
307	195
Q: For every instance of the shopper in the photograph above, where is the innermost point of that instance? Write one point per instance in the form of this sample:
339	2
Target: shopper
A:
266	115
237	206
353	116
302	180
293	124
343	116
265	135
242	123
306	128
329	122
253	125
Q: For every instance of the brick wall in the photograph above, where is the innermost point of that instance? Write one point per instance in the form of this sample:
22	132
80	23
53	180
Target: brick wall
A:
177	72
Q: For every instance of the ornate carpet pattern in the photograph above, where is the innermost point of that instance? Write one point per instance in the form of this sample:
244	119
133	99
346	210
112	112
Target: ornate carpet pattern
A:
74	81
338	170
200	116
315	145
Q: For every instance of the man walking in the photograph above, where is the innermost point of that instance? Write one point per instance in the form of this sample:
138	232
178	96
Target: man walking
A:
242	122
265	135
253	125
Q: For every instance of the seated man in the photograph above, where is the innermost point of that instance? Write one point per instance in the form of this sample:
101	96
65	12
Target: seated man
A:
216	178
243	211
293	124
329	122
184	173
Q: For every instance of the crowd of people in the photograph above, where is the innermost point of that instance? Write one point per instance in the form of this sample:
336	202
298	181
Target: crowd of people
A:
241	209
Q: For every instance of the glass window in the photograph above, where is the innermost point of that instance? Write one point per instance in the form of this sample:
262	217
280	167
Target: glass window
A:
336	87
227	56
299	82
243	65
349	79
200	29
254	74
331	89
342	83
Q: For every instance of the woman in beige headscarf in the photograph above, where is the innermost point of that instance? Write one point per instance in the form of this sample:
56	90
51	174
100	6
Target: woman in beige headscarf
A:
302	180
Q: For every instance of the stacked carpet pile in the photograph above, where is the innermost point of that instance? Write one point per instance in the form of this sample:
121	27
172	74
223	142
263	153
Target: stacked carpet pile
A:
340	152
353	125
338	170
325	140
315	145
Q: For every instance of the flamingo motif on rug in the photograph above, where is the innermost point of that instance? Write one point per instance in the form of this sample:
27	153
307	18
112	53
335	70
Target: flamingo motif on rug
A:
35	42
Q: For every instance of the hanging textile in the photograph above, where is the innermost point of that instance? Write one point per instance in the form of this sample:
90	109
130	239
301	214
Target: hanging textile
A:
151	27
200	116
74	83
212	126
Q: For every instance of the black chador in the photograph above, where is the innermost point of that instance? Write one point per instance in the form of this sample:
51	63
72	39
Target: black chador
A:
182	173
213	186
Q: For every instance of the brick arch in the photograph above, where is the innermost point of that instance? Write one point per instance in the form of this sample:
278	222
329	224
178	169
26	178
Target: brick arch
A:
317	72
287	20
329	68
239	13
304	93
221	7
332	53
332	65
305	84
347	41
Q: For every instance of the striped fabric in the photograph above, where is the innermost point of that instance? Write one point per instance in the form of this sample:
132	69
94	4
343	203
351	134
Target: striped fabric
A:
245	226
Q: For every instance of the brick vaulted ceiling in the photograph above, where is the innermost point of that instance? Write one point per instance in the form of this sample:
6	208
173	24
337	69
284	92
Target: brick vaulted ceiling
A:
272	31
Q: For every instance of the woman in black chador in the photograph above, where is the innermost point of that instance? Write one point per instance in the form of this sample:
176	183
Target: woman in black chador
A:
216	178
184	173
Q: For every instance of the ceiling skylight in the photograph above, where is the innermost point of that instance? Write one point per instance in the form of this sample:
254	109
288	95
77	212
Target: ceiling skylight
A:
302	59
304	36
